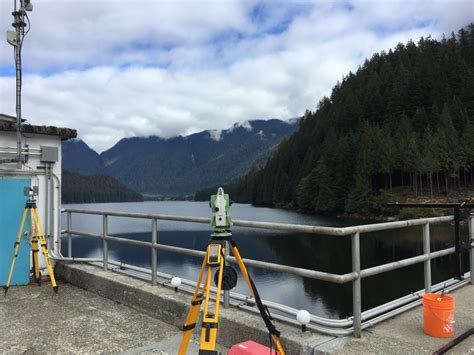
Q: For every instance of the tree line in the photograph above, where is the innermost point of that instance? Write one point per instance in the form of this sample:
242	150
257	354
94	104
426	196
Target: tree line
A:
404	119
77	188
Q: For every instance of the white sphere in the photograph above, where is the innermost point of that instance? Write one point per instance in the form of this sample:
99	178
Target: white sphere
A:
175	281
303	317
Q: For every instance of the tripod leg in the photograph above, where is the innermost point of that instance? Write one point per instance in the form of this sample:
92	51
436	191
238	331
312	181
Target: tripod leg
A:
44	248
210	320
15	251
193	312
242	267
263	311
35	251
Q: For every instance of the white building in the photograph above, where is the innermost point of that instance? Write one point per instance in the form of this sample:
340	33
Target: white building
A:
41	148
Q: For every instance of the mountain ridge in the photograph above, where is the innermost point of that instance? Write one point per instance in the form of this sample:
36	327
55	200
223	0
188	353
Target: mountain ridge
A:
182	165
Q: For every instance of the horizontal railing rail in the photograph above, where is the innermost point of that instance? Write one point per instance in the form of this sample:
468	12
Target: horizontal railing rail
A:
287	227
353	324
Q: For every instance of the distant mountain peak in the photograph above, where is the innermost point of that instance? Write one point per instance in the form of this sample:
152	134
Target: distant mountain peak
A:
244	124
182	165
215	134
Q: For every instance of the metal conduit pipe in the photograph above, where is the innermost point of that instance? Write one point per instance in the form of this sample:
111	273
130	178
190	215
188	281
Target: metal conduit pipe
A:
81	260
6	152
320	329
404	300
46	212
23	149
397	311
21	172
58	215
335	323
51	203
379	269
327	324
190	286
235	296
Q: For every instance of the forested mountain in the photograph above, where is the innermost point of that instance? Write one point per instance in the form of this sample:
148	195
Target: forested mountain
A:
79	157
182	165
404	118
77	188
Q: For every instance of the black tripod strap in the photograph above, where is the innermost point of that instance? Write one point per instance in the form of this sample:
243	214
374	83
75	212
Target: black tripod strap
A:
264	312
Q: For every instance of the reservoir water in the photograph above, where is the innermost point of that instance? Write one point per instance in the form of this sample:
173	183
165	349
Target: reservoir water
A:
316	252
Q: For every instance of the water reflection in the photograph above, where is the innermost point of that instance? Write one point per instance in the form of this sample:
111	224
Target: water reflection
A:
322	253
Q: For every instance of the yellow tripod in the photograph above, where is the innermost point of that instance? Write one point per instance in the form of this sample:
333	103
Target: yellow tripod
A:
214	258
37	236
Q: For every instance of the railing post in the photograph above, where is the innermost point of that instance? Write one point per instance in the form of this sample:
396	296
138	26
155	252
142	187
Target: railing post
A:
226	292
471	244
153	251
427	263
356	293
69	237
105	248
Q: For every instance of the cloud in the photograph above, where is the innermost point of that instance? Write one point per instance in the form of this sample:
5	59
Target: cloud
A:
137	68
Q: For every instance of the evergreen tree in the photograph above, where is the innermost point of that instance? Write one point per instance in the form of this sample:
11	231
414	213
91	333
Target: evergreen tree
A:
404	118
448	144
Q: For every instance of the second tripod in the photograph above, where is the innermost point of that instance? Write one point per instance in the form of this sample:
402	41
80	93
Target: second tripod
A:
37	240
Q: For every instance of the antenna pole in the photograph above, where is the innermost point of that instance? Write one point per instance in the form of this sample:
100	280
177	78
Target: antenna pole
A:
16	40
18	24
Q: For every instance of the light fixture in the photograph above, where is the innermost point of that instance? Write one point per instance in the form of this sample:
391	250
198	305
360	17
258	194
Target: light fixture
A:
303	317
175	282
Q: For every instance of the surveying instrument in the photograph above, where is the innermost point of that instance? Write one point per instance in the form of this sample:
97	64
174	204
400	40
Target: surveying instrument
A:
37	237
225	278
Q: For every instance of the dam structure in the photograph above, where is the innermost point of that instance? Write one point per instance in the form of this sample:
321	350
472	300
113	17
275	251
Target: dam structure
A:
107	305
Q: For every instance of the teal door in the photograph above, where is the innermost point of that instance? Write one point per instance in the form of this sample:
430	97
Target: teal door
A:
12	206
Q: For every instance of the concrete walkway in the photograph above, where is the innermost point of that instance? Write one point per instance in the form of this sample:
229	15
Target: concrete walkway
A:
404	333
36	321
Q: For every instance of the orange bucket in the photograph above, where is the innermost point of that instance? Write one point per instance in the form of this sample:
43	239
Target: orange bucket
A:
438	312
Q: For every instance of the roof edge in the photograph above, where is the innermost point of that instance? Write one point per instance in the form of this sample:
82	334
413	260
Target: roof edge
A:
64	133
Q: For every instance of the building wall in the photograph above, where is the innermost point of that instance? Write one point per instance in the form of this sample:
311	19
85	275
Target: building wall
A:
35	170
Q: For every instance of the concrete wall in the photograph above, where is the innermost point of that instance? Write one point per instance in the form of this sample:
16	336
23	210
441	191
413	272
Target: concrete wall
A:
49	189
235	325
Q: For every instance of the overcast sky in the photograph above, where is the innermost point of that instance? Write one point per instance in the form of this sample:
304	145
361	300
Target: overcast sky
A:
117	68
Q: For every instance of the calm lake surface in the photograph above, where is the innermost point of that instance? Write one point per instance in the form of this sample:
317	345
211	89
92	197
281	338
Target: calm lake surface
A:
322	253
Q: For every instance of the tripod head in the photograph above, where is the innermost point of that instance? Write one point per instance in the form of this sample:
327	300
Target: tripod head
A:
32	193
220	207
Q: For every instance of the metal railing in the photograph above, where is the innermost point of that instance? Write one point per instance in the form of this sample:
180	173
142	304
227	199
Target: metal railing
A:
359	321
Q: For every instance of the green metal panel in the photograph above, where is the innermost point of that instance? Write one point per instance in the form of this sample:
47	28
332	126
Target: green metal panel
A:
12	206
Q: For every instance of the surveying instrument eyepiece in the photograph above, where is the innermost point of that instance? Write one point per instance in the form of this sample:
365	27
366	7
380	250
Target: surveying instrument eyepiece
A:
37	240
225	279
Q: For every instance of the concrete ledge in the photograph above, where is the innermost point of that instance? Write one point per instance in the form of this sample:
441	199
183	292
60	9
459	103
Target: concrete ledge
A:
235	325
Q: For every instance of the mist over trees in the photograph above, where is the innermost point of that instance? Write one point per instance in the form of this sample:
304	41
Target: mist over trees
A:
404	119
